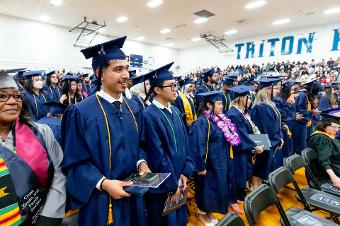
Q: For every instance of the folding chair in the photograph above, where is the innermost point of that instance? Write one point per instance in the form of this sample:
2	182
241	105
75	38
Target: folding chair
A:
259	200
231	219
319	200
296	216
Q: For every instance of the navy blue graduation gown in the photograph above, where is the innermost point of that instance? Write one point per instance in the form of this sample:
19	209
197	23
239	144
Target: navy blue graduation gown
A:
324	103
86	159
88	88
299	127
53	93
36	105
214	191
226	102
54	124
167	152
139	101
243	152
268	122
179	104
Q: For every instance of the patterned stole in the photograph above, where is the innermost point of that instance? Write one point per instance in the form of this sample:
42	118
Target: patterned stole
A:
26	174
9	206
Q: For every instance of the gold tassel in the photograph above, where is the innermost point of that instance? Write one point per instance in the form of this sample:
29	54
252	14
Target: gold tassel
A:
231	152
289	133
110	214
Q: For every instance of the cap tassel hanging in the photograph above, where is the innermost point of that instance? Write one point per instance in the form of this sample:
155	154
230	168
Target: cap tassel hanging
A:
110	214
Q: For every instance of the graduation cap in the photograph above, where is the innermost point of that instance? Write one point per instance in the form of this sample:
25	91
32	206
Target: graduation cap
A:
159	75
312	85
50	73
139	79
212	96
209	73
266	82
331	115
132	73
229	80
19	74
188	81
55	108
217	69
6	80
103	52
31	74
70	77
241	90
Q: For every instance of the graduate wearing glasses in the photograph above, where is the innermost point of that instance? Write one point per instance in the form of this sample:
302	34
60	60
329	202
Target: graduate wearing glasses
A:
166	148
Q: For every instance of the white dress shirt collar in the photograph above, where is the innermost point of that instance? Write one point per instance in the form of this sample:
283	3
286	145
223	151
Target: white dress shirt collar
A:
109	98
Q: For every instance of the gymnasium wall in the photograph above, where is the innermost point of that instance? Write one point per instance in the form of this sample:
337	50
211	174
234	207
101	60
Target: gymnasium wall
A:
305	44
25	43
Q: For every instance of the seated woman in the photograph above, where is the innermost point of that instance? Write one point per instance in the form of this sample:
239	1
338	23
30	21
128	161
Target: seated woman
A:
212	136
32	186
327	147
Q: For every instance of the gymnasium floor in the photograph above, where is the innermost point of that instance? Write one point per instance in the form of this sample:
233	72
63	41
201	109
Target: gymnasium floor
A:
269	217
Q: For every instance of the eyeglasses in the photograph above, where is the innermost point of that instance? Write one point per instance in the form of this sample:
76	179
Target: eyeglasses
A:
4	97
173	87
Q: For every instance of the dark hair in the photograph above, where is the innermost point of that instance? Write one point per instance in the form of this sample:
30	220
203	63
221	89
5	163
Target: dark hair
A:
48	80
321	126
24	115
67	87
29	85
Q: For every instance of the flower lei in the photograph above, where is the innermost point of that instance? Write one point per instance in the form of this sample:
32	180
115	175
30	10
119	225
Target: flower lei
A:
226	126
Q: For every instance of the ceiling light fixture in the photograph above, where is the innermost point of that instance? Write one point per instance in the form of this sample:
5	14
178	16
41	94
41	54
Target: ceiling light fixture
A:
56	2
332	11
165	30
140	38
281	21
154	3
196	39
255	4
170	44
121	19
200	20
101	30
231	32
44	18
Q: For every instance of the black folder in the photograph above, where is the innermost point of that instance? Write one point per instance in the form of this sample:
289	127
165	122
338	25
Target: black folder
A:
261	139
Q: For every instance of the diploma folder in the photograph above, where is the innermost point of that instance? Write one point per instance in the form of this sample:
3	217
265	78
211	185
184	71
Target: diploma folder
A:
261	139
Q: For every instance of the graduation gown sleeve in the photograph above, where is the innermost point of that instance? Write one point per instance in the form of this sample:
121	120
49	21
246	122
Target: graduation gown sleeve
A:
81	173
324	103
301	103
268	122
197	136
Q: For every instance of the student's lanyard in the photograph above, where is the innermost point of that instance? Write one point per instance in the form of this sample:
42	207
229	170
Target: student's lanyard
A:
35	103
141	101
227	101
206	87
52	91
110	214
171	127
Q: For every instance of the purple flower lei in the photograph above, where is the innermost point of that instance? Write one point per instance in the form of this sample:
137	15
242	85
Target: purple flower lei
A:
226	126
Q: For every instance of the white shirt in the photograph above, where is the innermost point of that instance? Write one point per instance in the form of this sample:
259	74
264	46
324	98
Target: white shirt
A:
111	99
161	106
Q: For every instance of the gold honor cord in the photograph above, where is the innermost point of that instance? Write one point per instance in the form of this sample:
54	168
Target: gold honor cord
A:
208	137
110	213
36	104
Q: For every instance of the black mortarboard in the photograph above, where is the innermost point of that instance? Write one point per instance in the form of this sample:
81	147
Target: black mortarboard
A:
211	96
159	75
55	108
266	82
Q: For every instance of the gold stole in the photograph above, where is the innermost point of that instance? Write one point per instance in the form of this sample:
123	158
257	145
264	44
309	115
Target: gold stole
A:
326	134
309	108
190	117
